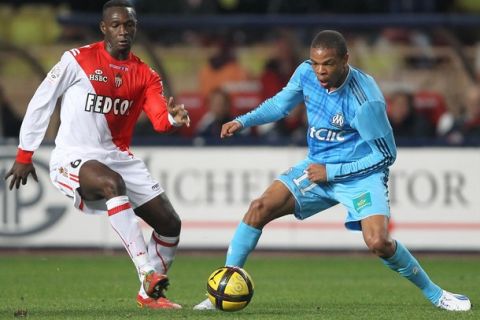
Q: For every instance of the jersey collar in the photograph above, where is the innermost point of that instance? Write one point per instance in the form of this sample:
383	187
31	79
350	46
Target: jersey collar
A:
112	59
347	78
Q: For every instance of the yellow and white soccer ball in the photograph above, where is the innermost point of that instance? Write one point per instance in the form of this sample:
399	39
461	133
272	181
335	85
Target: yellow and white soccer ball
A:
230	288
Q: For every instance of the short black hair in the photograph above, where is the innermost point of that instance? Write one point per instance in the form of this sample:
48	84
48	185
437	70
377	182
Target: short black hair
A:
116	3
330	39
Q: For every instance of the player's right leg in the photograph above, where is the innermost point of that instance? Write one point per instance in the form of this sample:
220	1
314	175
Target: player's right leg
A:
276	201
98	181
291	193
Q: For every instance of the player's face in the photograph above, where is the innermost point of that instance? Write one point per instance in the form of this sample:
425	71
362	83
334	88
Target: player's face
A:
119	26
330	68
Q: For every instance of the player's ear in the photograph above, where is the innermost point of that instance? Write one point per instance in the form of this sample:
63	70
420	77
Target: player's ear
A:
103	28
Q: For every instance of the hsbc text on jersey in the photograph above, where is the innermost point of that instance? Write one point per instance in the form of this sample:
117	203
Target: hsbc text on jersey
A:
103	104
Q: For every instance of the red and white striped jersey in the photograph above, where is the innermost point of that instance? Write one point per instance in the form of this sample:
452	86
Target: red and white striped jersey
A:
102	100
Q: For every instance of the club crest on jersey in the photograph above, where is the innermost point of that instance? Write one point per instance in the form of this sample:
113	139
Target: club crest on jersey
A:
98	76
338	120
118	80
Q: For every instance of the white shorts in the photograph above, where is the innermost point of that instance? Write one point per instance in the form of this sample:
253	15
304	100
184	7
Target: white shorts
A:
65	167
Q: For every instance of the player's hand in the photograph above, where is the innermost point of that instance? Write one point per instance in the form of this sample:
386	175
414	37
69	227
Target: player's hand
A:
317	173
178	112
229	128
19	173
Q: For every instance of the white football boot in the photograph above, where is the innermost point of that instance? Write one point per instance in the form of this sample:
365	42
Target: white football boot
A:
453	302
204	305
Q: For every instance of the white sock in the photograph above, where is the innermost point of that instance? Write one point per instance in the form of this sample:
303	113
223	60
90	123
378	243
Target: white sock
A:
161	252
125	223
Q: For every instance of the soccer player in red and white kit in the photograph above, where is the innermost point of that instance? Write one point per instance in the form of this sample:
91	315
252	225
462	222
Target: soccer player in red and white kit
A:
105	88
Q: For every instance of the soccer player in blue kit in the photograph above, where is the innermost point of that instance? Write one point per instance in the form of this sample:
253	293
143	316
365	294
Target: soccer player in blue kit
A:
350	148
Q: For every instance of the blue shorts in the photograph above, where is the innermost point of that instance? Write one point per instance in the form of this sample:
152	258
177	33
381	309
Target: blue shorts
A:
362	197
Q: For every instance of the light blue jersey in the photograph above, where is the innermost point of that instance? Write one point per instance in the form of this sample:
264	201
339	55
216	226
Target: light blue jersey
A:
348	129
349	132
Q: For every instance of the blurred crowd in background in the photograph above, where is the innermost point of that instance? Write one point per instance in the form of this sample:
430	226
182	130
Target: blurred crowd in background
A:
222	68
273	6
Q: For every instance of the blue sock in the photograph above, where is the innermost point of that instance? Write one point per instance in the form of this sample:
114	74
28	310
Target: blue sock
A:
407	266
244	241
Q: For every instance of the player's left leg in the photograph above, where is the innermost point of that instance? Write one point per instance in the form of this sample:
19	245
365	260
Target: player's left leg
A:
161	216
399	259
368	210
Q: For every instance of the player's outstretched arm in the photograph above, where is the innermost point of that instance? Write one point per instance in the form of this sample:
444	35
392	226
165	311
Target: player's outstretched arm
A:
19	173
178	112
229	128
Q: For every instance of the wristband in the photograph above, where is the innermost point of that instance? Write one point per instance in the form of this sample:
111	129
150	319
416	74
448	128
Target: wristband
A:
24	156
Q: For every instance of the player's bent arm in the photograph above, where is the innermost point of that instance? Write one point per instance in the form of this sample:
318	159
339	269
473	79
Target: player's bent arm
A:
380	158
372	124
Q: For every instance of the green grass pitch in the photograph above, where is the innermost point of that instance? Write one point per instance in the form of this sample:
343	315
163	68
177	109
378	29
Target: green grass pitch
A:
80	286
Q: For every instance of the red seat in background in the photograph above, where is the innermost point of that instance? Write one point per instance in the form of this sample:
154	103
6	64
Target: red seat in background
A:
195	104
430	103
244	101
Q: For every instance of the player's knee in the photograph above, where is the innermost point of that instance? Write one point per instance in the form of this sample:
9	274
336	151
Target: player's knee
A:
257	215
380	245
113	185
